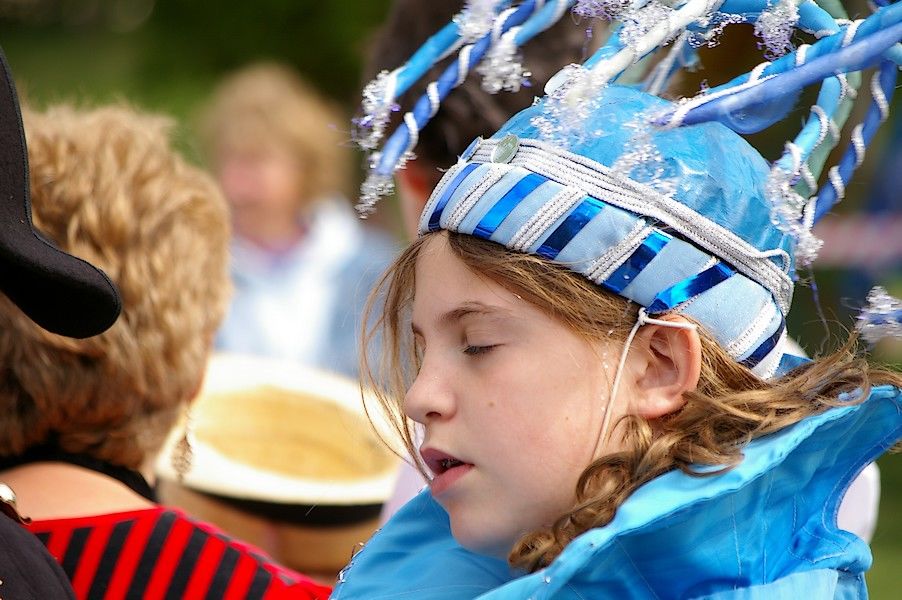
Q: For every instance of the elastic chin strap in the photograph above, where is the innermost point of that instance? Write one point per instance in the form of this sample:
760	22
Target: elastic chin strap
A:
643	319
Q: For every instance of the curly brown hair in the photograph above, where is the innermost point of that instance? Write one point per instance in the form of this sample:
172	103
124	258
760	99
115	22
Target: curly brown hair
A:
107	187
729	407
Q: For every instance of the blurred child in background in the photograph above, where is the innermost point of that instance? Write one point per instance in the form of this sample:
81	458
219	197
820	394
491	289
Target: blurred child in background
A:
302	263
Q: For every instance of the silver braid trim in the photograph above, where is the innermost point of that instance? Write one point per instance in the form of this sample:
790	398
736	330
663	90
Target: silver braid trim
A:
768	367
435	100
499	24
834	130
463	207
796	155
851	30
846	90
755	330
414	130
530	232
802	54
603	266
823	122
808	176
604	183
463	64
755	74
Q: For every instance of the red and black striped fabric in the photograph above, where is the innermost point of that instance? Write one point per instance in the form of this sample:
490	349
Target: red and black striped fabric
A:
160	553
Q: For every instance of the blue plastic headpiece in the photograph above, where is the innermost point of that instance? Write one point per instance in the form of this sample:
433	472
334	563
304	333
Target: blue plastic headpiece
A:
664	202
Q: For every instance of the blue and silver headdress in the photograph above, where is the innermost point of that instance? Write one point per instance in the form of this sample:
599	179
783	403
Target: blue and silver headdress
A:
661	202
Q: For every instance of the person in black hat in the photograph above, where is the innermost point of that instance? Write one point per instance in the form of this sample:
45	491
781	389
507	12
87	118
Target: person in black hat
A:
82	421
60	292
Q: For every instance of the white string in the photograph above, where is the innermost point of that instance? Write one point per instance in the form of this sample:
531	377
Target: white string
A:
499	24
643	319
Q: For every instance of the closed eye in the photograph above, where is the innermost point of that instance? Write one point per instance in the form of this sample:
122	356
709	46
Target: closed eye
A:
477	350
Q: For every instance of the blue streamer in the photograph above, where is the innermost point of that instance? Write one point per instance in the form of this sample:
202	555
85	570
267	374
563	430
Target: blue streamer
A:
858	55
807	139
397	144
432	51
876	25
426	56
539	22
827	196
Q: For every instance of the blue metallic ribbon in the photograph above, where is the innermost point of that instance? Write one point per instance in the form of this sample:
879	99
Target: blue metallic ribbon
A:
765	348
508	202
436	215
637	261
573	224
690	287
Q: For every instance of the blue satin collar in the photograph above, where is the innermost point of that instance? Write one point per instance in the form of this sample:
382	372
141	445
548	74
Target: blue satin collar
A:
763	529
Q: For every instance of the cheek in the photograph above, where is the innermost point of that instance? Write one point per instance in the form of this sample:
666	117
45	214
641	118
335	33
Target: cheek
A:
561	404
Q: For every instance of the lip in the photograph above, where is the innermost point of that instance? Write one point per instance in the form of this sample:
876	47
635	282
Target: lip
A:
443	478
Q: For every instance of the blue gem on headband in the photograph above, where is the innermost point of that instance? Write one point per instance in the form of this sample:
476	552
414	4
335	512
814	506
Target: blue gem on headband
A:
506	149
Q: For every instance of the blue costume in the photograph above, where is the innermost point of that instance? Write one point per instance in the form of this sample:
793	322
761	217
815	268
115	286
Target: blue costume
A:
667	205
306	304
767	529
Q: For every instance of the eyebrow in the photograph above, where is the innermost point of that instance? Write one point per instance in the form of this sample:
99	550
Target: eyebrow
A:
465	309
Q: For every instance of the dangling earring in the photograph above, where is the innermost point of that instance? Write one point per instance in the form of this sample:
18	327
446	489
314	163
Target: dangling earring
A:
183	452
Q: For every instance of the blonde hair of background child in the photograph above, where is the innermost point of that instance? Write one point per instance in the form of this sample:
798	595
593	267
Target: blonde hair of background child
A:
268	103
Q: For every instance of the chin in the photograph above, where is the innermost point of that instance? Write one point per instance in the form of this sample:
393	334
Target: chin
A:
481	539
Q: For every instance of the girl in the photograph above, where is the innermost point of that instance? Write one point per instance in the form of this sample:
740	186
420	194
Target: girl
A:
590	333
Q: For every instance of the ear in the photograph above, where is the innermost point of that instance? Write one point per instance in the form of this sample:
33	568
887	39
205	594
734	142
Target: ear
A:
667	364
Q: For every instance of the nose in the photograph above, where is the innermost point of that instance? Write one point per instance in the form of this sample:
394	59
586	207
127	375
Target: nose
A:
431	396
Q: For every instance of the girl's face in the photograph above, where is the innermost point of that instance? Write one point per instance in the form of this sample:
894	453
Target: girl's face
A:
511	402
262	183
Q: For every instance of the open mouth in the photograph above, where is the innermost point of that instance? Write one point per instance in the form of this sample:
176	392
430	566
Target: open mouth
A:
448	463
447	470
439	462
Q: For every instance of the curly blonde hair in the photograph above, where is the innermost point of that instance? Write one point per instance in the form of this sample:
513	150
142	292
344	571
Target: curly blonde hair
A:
730	406
268	103
107	187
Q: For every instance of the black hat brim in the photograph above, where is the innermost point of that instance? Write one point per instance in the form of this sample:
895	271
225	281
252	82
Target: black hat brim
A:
60	292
